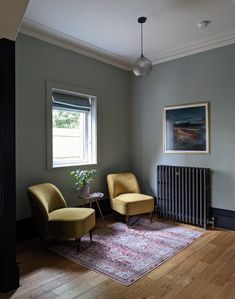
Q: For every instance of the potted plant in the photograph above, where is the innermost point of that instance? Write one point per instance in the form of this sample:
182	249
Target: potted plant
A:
83	179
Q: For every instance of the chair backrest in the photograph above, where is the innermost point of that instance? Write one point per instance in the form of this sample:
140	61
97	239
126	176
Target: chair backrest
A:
120	183
47	197
44	198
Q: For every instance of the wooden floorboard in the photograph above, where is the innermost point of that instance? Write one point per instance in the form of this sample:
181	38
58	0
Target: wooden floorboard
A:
205	269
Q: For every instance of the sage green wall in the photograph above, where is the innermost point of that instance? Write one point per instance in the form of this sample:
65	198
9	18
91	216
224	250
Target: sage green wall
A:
36	62
208	76
129	116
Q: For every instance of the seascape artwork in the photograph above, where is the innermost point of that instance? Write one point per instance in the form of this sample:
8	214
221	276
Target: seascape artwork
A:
186	128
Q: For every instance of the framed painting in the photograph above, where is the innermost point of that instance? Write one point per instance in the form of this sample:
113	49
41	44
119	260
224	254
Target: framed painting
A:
186	128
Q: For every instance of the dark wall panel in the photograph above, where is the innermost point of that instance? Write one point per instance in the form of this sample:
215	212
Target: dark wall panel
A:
9	273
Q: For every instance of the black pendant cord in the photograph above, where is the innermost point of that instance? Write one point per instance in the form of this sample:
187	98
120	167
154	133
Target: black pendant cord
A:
142	20
142	55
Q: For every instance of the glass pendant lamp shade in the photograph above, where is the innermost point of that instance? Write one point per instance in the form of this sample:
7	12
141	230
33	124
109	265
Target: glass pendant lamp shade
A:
142	65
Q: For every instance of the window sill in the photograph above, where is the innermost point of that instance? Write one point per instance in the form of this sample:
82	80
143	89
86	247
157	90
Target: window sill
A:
73	165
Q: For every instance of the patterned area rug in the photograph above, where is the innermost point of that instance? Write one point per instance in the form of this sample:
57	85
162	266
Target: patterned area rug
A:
126	254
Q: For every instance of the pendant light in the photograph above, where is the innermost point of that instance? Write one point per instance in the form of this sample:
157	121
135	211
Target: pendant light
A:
142	65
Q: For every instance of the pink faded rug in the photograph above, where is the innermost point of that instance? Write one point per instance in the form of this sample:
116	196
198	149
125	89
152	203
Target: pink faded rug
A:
126	254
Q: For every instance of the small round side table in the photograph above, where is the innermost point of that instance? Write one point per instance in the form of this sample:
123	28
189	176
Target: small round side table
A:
94	197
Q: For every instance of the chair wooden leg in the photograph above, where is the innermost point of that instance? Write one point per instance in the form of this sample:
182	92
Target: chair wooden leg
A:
77	240
127	220
151	217
90	232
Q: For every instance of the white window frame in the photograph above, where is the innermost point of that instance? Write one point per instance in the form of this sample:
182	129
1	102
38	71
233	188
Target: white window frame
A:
91	123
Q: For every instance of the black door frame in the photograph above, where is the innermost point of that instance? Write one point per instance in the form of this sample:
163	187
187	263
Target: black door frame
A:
9	271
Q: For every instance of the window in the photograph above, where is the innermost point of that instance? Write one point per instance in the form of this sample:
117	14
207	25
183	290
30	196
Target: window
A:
71	127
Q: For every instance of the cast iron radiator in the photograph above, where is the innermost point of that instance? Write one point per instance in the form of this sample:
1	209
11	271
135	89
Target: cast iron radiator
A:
184	194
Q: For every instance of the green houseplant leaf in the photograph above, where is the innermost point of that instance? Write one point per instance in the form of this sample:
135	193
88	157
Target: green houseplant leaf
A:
83	178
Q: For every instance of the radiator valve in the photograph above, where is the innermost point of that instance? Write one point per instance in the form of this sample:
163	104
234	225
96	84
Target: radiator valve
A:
212	222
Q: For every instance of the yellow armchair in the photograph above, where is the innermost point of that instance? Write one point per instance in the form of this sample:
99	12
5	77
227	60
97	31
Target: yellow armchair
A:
125	196
53	218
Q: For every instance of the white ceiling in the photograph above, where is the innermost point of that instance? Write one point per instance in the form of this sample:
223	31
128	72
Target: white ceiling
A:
108	29
11	14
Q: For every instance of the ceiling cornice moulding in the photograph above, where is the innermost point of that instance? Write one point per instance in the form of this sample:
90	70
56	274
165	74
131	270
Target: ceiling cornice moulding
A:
194	48
54	37
57	38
